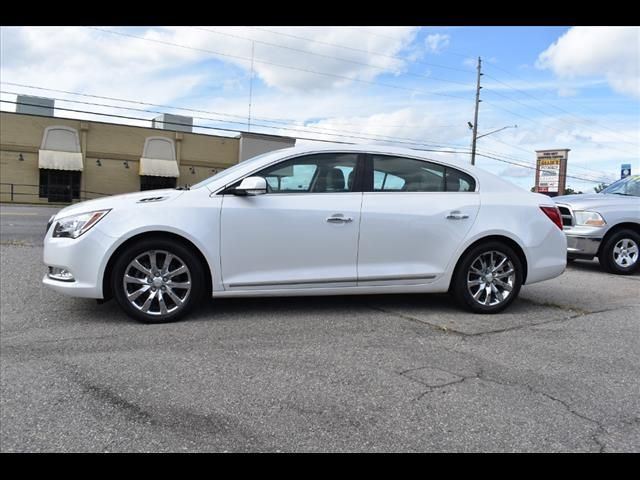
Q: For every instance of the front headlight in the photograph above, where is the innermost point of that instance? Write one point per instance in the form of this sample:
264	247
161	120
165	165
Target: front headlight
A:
593	219
76	225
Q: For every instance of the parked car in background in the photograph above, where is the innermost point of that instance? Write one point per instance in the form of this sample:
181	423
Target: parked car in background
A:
314	220
605	225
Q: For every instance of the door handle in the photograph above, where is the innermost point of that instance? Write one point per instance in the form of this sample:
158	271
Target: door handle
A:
457	215
338	218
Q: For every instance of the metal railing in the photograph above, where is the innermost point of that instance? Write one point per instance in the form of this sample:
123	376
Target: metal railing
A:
51	194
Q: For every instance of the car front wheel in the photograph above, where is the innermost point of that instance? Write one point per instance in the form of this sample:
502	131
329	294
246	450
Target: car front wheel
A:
620	253
157	281
488	278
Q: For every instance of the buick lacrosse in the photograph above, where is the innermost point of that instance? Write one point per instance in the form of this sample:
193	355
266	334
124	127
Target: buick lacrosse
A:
324	220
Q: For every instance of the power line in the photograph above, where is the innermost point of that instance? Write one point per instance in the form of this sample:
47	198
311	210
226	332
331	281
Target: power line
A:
307	52
315	72
231	122
516	147
377	34
358	135
320	130
448	52
592	177
549	90
265	119
396	57
541	111
533	168
300	138
540	123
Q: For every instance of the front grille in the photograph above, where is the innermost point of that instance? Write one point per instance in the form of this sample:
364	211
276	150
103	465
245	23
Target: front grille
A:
567	216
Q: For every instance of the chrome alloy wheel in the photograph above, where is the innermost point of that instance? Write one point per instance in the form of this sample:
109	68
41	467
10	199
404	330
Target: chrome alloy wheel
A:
157	282
625	253
491	278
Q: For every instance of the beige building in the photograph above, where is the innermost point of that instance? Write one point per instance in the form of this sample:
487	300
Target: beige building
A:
45	159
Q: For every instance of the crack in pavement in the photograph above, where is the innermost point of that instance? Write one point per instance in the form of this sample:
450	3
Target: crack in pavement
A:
480	375
600	428
502	330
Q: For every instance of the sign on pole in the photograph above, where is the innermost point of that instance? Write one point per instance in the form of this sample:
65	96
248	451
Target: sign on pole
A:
625	170
551	171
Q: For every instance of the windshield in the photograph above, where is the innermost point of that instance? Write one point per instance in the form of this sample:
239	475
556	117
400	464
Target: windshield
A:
627	186
231	170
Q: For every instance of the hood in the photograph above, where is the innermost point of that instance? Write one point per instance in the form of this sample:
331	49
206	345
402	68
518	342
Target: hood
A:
123	200
594	200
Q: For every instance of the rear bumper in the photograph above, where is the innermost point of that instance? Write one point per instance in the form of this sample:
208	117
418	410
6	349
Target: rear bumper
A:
549	259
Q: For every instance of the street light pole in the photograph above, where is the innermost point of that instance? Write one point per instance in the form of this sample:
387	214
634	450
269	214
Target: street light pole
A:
498	130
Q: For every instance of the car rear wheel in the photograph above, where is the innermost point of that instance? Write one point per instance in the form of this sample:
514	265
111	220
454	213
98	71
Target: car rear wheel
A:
620	253
488	278
157	281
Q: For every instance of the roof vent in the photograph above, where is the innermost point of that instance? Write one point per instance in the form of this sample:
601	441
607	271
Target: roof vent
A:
177	123
35	105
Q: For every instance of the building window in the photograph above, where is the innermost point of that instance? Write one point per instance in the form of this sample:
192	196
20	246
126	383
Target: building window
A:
61	139
158	160
161	148
59	185
149	182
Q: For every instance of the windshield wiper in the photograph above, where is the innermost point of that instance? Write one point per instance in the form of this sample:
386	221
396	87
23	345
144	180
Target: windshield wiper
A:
186	187
620	193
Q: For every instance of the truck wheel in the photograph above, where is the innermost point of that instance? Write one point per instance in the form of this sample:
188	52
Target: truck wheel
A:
620	253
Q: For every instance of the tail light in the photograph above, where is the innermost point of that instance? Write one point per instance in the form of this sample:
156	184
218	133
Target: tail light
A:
554	215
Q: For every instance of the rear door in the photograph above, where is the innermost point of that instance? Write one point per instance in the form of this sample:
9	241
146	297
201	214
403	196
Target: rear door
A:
414	217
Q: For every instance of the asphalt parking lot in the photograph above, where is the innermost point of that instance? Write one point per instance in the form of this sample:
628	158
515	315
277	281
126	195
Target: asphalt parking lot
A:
558	371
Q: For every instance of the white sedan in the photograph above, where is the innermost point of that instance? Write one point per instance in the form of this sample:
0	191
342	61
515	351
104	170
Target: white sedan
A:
324	220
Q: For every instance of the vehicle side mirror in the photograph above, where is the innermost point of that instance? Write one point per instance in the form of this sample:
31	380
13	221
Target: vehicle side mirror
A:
251	186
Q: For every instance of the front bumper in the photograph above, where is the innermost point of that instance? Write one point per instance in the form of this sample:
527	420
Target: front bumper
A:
584	241
84	257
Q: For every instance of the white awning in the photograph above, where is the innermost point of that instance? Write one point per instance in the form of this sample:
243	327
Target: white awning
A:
55	160
156	167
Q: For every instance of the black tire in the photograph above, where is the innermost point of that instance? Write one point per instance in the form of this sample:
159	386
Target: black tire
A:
608	254
463	274
182	255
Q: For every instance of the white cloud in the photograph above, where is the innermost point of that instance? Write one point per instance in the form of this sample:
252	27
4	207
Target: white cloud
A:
567	92
470	62
84	60
612	52
76	58
325	58
518	172
437	42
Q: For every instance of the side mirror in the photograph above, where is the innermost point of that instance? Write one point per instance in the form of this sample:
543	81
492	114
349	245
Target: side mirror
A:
251	186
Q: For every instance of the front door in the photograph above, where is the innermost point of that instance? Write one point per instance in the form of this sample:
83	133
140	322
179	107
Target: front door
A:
303	233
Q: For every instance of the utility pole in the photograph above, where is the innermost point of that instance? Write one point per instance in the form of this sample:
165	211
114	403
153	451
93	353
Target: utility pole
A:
475	118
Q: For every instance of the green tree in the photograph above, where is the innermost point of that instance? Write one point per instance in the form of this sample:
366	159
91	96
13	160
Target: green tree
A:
600	187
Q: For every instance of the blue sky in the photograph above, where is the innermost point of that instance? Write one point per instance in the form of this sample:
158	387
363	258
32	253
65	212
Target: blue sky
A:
576	88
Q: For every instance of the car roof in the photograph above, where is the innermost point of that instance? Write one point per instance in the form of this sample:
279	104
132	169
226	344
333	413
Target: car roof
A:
373	148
